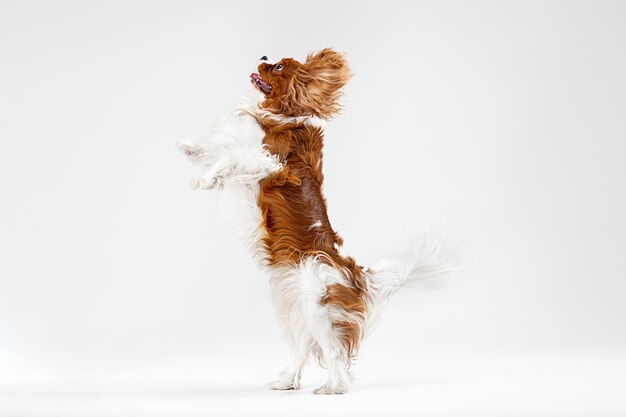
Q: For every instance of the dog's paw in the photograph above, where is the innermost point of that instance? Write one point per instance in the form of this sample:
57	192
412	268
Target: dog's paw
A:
282	386
189	148
207	183
328	390
197	153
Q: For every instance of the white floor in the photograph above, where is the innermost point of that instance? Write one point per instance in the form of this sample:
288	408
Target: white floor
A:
434	384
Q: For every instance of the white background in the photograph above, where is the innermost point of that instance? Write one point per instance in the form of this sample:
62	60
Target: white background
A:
122	291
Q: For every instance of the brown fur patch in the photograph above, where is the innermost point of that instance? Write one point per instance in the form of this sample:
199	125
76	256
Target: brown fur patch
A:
351	300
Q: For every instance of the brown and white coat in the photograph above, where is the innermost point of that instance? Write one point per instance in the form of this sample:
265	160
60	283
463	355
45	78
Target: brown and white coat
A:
267	156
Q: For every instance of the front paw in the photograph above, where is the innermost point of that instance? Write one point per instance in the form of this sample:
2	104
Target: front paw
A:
197	153
189	148
207	183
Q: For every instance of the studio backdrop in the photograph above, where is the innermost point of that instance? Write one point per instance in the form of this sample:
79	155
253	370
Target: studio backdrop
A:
499	126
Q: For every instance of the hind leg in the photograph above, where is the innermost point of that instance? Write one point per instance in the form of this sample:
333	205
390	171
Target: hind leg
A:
291	316
337	360
289	378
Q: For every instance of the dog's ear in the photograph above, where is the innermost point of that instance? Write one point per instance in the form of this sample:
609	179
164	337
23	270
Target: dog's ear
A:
316	87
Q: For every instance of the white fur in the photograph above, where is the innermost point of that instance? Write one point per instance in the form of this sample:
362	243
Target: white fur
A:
279	118
426	264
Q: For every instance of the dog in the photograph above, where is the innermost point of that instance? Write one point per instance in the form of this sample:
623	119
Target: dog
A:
268	157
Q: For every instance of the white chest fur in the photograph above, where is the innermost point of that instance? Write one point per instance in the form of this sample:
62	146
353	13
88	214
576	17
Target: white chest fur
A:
233	157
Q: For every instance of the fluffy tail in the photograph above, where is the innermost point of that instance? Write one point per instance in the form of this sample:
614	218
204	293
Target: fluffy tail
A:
426	265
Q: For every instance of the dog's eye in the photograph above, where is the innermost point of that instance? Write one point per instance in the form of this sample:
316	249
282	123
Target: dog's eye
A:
279	67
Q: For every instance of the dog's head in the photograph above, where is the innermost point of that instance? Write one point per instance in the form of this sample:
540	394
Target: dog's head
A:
309	89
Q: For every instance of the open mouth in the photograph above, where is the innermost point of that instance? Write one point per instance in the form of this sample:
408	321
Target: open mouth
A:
258	82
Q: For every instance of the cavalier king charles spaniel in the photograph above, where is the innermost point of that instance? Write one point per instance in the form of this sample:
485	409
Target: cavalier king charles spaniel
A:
268	157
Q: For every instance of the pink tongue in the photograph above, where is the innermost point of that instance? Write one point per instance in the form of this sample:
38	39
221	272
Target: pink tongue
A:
260	82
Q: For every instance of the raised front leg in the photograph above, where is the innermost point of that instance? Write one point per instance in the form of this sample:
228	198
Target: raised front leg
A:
236	164
213	178
332	352
198	153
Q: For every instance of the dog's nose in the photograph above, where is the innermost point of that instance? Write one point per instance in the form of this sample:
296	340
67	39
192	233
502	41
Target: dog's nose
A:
264	58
